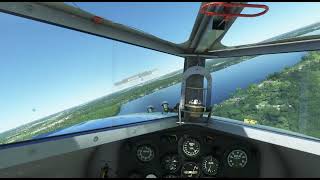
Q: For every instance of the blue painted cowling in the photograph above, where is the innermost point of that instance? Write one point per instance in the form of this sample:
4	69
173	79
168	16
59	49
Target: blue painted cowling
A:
108	122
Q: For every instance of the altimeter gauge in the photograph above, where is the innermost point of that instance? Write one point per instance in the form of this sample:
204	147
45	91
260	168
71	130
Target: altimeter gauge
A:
191	147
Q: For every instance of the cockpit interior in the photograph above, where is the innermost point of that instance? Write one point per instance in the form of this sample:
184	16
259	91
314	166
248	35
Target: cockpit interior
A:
160	89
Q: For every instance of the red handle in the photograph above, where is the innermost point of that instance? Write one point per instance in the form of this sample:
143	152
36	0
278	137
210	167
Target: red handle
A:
227	16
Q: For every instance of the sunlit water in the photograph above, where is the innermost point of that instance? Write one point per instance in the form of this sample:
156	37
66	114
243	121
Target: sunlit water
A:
225	81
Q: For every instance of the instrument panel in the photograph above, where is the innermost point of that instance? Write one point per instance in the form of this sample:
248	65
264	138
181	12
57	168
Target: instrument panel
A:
188	152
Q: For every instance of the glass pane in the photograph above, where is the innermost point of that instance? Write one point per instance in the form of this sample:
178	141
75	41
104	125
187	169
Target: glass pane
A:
52	78
284	20
277	90
172	21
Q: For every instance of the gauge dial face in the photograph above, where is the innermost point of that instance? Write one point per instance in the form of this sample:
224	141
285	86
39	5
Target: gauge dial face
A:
145	153
237	158
189	170
171	163
191	147
151	176
210	165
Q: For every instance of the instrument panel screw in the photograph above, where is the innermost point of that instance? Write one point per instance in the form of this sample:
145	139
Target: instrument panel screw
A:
95	139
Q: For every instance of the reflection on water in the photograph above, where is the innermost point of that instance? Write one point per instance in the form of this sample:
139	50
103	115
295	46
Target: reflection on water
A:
225	81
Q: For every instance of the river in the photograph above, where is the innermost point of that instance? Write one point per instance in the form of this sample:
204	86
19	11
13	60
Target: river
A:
225	81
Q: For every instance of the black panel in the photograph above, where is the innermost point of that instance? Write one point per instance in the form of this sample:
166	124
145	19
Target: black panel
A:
169	142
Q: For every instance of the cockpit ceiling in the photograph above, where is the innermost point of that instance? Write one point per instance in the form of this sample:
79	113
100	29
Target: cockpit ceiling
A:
202	38
144	16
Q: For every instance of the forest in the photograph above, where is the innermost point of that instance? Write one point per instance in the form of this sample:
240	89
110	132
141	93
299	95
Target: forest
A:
289	99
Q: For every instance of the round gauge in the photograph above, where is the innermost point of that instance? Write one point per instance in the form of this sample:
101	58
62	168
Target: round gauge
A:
171	163
151	176
170	176
190	169
145	153
210	165
191	147
237	158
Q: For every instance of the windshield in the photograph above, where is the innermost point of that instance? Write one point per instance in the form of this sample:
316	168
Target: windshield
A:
53	78
300	19
277	90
